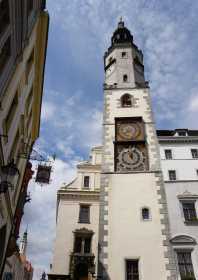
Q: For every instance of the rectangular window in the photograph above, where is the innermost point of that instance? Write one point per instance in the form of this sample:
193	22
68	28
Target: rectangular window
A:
78	244
82	244
84	214
172	175
87	245
5	54
4	15
86	181
189	211
185	265
194	153
11	113
168	154
124	54
132	272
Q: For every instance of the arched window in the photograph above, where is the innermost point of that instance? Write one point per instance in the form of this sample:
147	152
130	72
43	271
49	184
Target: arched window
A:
125	78
126	100
145	214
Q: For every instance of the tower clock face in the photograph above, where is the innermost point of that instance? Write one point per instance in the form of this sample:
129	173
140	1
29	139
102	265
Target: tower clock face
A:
131	158
128	131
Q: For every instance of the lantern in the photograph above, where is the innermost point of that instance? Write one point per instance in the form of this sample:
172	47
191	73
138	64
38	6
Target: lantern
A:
43	174
8	173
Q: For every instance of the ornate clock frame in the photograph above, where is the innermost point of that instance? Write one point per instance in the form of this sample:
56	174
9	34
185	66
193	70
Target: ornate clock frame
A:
130	145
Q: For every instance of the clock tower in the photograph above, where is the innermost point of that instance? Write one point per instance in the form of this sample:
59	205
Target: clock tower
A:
133	226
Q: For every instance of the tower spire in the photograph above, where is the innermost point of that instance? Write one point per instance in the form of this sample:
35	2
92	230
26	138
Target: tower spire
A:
121	23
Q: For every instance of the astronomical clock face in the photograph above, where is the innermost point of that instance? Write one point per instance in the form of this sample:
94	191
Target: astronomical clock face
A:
131	158
127	131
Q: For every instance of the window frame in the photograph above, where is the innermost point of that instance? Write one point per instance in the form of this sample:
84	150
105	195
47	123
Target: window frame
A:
123	104
194	153
185	251
168	154
194	217
149	214
124	54
125	78
83	234
84	182
84	220
126	269
175	174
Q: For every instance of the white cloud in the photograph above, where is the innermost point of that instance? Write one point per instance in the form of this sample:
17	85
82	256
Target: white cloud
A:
193	104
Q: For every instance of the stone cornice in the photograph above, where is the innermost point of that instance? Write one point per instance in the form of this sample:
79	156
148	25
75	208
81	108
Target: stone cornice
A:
75	195
96	167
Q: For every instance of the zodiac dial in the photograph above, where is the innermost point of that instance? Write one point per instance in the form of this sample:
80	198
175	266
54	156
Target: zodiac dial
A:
128	131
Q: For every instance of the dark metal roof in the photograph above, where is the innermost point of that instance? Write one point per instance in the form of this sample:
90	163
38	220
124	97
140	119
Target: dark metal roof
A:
121	35
173	132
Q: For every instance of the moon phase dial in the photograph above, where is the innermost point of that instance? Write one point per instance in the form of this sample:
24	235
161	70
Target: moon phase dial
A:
131	158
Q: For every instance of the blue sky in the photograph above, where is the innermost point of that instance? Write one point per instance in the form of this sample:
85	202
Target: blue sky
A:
79	34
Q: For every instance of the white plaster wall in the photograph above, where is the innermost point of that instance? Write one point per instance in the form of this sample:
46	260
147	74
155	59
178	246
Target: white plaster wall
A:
186	167
129	236
121	67
176	217
68	213
67	223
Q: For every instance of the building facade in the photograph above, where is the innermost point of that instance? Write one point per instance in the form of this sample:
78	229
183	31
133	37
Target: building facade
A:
133	241
23	42
133	223
143	184
179	160
76	245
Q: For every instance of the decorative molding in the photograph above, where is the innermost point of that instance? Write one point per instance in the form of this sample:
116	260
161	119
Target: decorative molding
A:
187	195
75	195
183	240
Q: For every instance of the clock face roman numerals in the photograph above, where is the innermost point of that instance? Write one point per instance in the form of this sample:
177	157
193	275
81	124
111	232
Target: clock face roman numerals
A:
130	147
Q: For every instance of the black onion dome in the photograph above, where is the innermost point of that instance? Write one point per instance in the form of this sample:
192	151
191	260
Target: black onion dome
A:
121	35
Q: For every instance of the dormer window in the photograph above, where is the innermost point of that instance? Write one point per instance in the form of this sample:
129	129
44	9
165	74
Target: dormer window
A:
181	133
126	100
125	78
